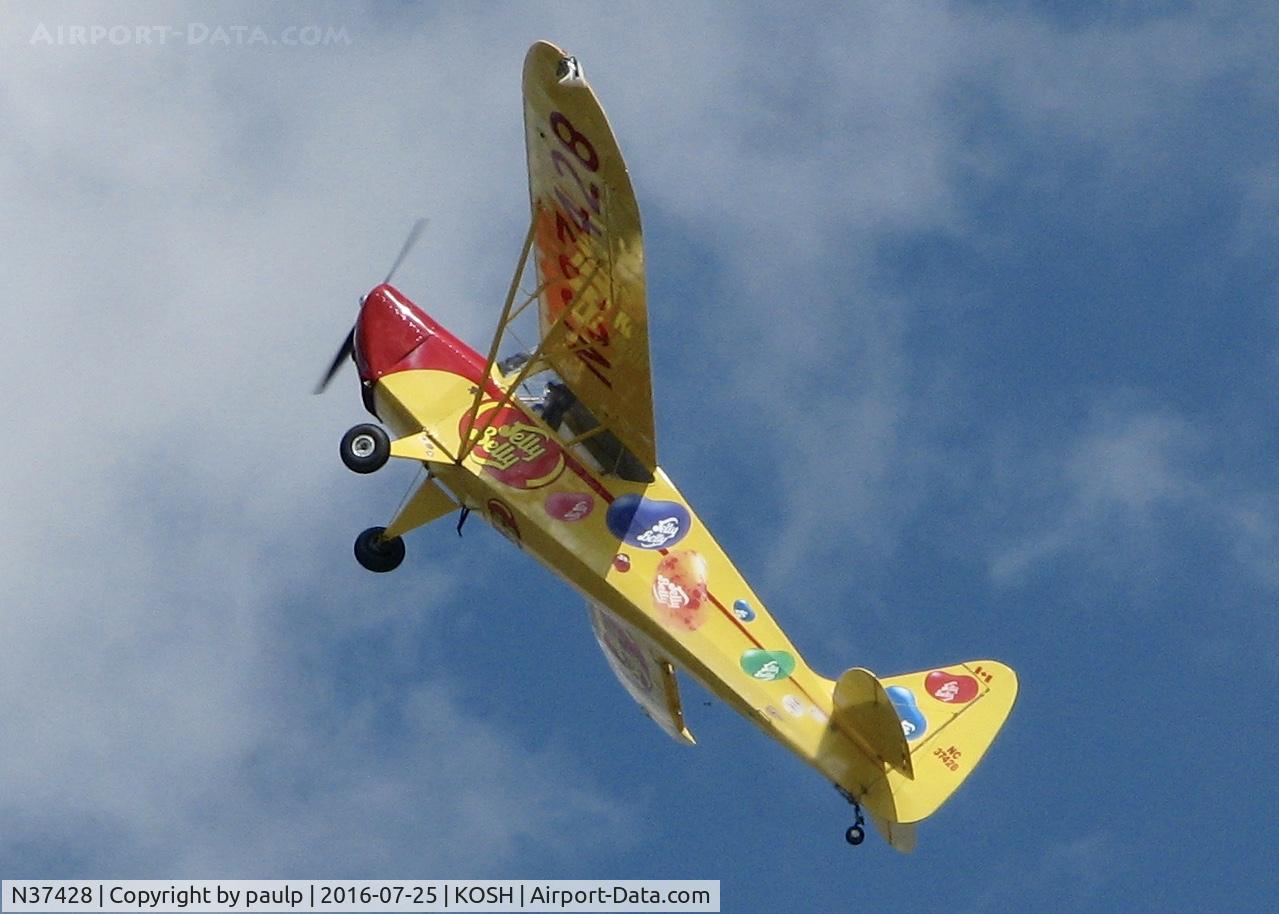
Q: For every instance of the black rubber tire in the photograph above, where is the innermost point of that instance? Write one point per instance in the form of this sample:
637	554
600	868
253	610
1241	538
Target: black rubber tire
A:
378	554
365	448
855	835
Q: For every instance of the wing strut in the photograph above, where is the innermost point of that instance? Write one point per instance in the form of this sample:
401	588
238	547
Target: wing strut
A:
473	434
502	323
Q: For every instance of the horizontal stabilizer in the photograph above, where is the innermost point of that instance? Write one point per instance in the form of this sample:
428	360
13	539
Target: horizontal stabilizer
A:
927	731
864	711
950	716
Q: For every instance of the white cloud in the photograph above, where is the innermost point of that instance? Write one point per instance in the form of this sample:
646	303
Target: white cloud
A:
1115	497
827	368
1123	468
187	233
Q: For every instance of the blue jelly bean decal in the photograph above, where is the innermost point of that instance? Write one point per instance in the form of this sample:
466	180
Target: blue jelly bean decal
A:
647	523
913	722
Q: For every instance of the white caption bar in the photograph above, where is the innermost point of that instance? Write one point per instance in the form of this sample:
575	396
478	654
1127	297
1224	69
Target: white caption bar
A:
146	896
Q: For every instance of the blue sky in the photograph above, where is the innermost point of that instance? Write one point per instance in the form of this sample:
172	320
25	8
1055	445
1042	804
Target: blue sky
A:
966	342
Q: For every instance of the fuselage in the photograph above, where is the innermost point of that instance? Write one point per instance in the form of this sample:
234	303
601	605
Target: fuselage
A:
637	550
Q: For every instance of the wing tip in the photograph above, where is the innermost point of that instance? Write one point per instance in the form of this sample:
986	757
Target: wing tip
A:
543	57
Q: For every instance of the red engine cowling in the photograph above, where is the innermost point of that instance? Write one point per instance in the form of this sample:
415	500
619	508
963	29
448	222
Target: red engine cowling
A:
393	334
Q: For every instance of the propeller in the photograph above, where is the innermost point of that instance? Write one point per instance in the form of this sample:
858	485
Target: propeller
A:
414	234
347	348
344	353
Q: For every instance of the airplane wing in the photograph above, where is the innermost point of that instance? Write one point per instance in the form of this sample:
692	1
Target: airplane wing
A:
590	259
646	674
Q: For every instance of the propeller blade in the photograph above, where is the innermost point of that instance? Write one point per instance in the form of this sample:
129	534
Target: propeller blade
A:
348	346
414	234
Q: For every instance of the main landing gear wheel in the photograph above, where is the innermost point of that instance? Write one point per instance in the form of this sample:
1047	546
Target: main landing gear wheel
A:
365	448
855	835
377	553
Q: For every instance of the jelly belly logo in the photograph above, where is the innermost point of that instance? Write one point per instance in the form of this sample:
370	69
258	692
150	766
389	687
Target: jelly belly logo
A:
512	451
647	522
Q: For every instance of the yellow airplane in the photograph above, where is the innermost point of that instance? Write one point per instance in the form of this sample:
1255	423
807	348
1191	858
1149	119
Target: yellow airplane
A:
572	477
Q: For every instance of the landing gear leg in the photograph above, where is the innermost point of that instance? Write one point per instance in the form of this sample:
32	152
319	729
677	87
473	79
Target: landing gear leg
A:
856	832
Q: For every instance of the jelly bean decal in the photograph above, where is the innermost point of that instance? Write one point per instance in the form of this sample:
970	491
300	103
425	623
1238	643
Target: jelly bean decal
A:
647	522
511	450
913	722
743	611
768	666
679	590
569	506
622	562
793	705
953	688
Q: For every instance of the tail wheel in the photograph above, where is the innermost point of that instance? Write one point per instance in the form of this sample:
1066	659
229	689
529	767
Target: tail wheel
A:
855	834
378	553
365	448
